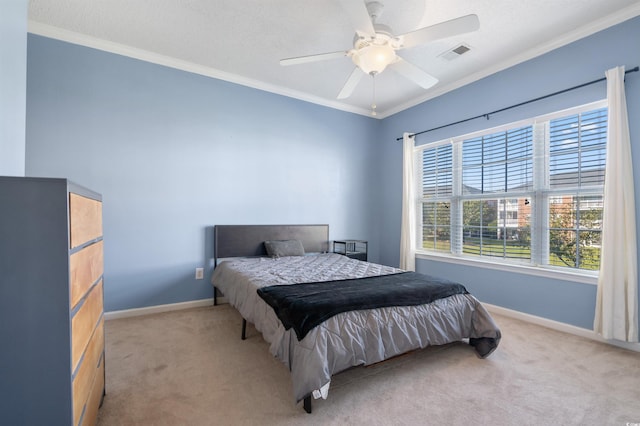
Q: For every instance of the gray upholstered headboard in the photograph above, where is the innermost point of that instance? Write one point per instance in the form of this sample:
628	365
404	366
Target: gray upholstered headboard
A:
247	240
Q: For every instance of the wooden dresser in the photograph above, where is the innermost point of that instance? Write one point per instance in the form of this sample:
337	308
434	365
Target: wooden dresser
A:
51	302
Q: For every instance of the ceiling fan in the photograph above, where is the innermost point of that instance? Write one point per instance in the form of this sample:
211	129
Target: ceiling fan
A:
374	45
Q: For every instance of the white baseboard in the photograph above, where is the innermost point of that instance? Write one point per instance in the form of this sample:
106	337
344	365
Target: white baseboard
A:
559	326
544	322
127	313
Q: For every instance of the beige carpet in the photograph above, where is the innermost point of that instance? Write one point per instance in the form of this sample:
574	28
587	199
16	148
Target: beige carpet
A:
191	368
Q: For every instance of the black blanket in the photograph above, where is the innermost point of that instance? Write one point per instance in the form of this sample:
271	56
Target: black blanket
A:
306	305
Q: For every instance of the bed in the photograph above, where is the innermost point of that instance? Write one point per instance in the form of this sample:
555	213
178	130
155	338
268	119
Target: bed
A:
266	287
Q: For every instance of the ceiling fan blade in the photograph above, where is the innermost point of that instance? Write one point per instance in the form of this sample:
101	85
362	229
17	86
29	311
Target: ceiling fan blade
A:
313	58
464	24
358	15
351	83
413	73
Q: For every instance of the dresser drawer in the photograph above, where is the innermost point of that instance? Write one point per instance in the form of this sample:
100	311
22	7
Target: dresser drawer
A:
93	403
84	322
85	219
86	374
86	266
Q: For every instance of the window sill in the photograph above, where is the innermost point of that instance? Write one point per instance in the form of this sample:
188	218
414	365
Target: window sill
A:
554	273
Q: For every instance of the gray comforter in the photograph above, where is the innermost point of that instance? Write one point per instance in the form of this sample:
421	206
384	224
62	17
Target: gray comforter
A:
351	338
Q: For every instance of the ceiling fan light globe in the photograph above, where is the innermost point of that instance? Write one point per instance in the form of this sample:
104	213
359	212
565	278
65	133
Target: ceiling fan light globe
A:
373	59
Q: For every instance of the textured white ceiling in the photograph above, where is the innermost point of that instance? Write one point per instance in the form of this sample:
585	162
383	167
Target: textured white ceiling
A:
243	40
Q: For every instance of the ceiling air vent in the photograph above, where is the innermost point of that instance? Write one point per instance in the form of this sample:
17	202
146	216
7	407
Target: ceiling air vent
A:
452	54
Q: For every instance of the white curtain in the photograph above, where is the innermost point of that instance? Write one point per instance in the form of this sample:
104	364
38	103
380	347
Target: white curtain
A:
408	231
617	298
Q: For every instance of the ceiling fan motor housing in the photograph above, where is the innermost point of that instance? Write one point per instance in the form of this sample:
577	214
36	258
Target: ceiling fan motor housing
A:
373	53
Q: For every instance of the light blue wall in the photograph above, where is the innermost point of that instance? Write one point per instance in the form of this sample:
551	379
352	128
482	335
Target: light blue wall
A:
174	153
579	62
13	83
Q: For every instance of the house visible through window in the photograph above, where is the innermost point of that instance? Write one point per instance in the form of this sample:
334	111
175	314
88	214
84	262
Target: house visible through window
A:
527	193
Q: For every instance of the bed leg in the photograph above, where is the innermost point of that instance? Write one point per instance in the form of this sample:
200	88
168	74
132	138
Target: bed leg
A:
215	297
307	404
244	329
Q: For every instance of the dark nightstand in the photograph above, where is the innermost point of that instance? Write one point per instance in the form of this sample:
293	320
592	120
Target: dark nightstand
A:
355	249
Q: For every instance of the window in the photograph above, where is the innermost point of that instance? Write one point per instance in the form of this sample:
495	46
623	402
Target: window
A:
528	193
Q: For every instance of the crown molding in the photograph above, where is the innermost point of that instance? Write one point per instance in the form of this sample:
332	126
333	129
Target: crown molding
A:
72	37
575	35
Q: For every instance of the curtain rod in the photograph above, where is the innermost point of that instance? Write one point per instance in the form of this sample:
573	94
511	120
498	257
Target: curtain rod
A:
517	105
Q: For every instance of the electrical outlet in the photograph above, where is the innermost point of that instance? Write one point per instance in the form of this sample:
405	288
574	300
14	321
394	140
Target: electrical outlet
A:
199	273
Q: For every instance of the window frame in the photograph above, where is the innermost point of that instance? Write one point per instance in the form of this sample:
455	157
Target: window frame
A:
540	192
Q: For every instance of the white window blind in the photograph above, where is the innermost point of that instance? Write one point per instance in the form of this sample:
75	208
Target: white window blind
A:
437	184
577	154
498	163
